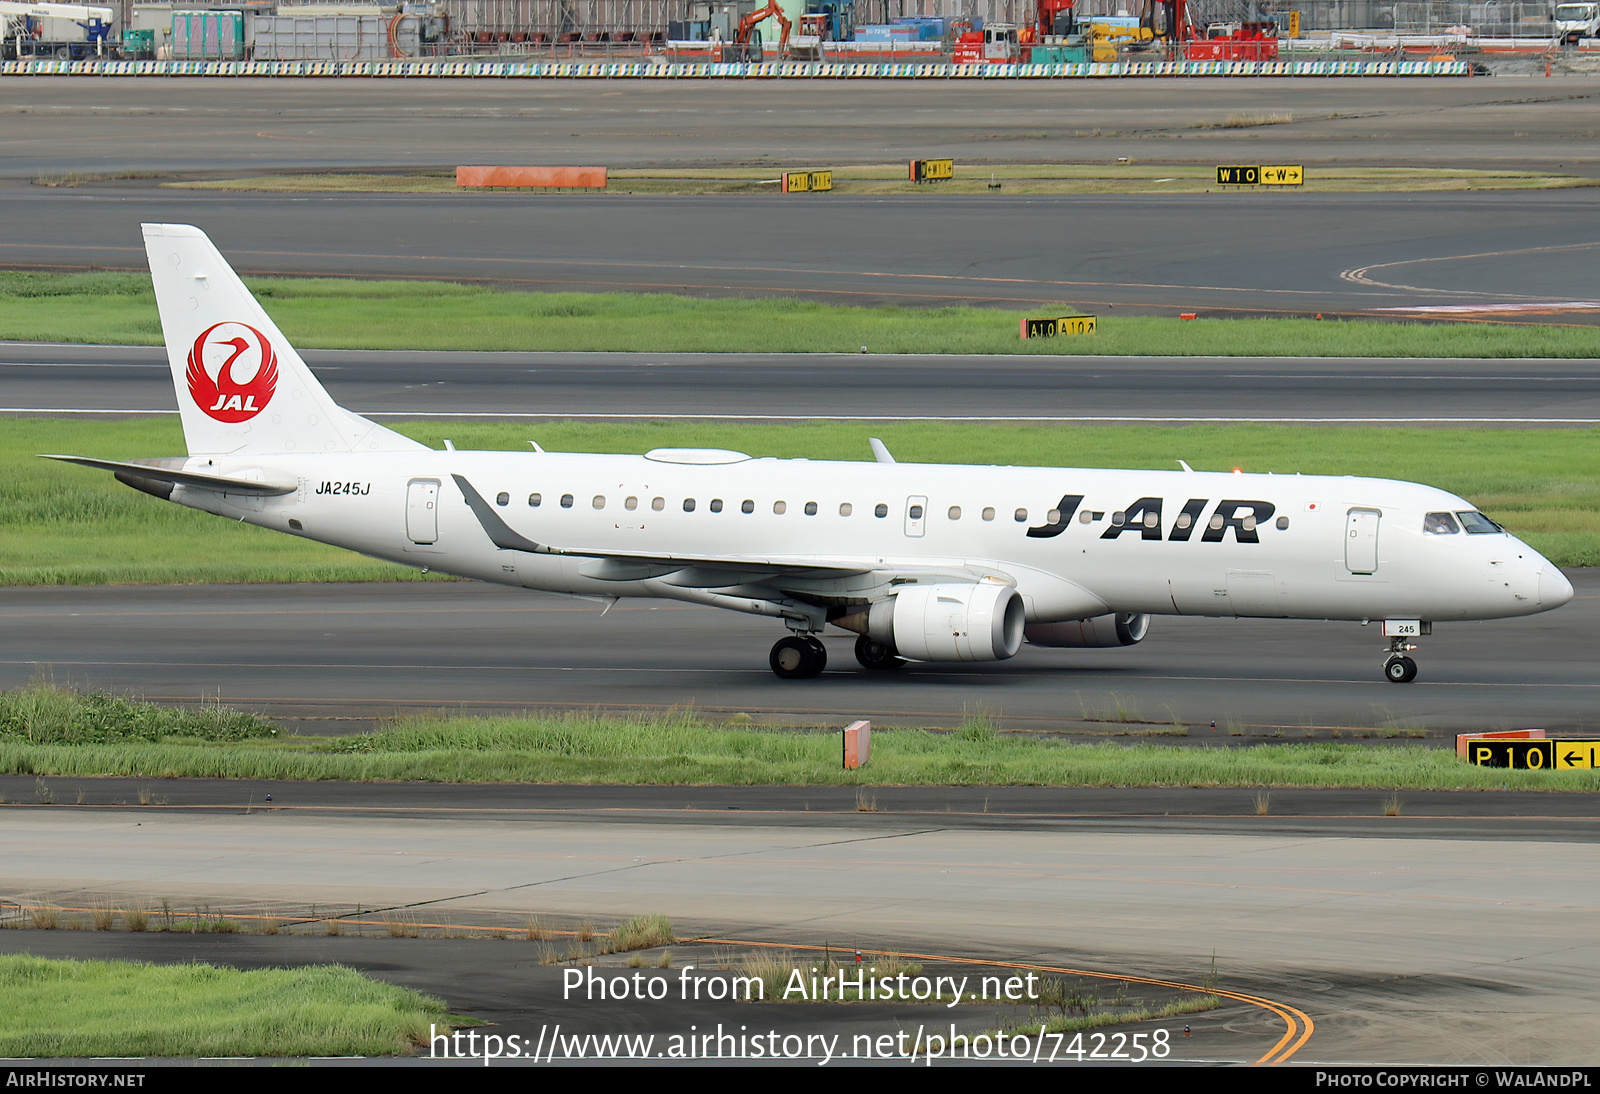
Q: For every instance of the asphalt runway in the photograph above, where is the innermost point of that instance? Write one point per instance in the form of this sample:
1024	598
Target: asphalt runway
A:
308	653
105	381
1215	254
55	125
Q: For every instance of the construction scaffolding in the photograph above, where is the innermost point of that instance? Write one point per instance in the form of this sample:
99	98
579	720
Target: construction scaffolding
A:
532	23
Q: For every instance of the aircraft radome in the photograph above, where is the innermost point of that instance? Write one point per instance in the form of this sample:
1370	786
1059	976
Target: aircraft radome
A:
925	562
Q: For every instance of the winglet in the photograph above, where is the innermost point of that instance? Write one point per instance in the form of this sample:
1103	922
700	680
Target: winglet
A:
500	534
880	451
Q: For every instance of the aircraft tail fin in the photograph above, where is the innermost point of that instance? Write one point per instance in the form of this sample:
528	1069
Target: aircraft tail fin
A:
241	386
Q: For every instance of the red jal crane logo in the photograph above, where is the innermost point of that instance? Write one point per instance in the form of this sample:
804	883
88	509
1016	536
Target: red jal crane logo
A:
223	354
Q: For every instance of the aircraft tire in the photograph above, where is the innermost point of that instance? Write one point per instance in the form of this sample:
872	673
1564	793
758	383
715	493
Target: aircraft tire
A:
1400	670
877	655
820	651
796	657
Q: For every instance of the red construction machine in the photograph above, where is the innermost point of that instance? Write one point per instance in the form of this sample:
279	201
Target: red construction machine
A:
746	45
1235	42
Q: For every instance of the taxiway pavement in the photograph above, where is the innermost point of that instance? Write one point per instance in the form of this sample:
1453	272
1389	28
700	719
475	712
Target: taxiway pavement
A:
366	651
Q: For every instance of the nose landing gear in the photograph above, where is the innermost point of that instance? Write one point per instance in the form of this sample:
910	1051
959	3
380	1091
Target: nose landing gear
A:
1399	669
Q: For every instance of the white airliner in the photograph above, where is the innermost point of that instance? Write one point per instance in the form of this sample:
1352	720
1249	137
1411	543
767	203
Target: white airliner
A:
925	562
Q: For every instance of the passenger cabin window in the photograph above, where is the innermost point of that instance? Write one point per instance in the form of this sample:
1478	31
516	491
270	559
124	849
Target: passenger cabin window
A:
630	504
811	508
566	501
880	510
1477	524
1283	523
599	501
535	500
1119	518
955	512
916	512
1182	523
658	504
1053	517
988	512
716	505
688	505
779	508
747	506
845	509
1085	517
1021	516
502	498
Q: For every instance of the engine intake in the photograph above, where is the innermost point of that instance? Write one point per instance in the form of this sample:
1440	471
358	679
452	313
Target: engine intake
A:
1120	629
978	622
981	622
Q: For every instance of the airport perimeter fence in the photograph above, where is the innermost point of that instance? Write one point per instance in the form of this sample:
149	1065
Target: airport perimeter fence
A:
770	70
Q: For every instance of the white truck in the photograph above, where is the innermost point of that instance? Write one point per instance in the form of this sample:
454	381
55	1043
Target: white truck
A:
1575	21
67	31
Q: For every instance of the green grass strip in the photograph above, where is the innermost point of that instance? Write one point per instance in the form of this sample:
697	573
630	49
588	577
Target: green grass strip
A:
119	309
676	749
67	525
45	714
107	1008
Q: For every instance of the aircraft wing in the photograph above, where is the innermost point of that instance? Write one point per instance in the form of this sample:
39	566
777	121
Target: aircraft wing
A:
788	572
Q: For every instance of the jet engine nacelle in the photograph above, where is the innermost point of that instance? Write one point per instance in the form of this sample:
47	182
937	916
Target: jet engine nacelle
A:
981	622
1121	629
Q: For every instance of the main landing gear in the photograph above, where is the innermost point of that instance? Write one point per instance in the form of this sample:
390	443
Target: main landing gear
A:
798	656
1399	669
877	655
803	655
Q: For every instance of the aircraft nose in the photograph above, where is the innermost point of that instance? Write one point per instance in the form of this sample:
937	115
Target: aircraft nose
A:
1554	588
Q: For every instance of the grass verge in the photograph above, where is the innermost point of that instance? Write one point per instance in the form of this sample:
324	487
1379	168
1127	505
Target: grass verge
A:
105	1008
44	714
119	309
1060	1008
878	179
675	748
67	525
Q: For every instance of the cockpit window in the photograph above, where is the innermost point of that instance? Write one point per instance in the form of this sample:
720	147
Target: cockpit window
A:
1477	524
1440	524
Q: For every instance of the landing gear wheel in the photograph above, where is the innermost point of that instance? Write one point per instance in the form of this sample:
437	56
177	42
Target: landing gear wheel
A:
1400	670
877	655
797	657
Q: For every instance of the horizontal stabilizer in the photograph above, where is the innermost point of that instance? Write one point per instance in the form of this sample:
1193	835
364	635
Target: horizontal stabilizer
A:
170	470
